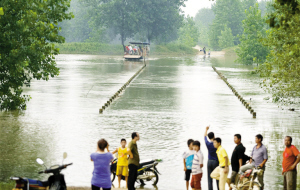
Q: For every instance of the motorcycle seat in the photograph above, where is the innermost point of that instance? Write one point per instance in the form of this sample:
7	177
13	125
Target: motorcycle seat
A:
248	173
146	163
33	182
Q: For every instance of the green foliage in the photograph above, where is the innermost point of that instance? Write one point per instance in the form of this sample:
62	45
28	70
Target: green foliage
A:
7	185
248	3
159	18
188	33
282	67
230	13
172	48
203	20
119	15
81	28
251	50
90	48
140	18
204	17
111	49
226	38
27	30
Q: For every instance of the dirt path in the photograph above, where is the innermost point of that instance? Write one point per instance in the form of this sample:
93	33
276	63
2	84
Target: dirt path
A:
212	53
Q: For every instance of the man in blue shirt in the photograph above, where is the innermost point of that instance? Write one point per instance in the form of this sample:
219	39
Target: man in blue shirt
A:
213	161
260	156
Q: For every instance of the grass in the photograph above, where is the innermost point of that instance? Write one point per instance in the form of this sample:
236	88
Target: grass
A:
90	48
112	49
7	185
230	50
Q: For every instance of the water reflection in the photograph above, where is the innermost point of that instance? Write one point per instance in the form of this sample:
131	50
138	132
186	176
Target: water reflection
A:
172	100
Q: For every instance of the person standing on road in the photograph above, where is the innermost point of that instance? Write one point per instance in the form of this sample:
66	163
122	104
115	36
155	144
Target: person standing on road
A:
236	158
221	172
291	157
260	156
213	161
133	163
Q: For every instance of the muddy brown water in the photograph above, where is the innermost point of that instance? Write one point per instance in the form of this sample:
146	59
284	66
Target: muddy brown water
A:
172	100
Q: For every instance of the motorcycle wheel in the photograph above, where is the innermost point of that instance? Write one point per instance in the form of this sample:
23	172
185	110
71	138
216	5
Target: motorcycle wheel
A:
246	186
112	176
153	178
56	186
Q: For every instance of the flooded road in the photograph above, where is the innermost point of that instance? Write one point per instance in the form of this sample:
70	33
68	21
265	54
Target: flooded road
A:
172	100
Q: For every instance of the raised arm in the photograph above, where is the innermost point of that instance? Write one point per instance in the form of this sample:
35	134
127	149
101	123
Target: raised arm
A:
205	134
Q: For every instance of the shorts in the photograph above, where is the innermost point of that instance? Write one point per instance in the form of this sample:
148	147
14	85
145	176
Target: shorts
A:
196	181
122	170
187	175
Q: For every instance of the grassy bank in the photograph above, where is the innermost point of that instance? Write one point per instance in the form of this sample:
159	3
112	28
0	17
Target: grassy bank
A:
230	51
110	49
7	185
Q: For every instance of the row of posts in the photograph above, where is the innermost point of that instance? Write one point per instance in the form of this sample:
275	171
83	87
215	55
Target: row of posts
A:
120	90
244	102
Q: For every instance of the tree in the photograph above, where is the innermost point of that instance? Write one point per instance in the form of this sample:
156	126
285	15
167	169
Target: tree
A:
119	15
27	30
77	29
204	17
251	48
159	17
188	33
230	13
282	67
248	3
203	20
226	38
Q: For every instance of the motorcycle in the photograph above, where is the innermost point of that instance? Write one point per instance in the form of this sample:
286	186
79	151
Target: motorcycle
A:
147	172
55	182
248	181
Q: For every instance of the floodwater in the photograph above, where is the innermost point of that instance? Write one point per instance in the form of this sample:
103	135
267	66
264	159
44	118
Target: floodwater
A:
172	100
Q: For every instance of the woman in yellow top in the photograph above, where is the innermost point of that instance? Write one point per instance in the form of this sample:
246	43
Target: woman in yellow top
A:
122	165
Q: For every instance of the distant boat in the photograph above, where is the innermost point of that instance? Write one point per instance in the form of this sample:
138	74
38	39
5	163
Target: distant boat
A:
137	50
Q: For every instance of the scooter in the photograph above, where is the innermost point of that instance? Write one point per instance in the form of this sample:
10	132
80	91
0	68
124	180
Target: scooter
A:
55	182
147	172
248	181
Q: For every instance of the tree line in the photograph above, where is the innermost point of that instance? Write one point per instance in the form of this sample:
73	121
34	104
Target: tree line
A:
116	21
264	32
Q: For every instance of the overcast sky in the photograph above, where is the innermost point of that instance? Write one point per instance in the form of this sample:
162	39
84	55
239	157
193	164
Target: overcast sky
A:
193	6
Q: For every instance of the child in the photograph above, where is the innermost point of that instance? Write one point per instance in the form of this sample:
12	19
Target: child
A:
188	157
197	167
122	165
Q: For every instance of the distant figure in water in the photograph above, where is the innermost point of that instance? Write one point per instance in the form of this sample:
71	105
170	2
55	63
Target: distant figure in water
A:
208	51
204	50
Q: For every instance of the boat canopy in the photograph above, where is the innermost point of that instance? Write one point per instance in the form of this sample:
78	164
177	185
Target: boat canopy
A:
140	43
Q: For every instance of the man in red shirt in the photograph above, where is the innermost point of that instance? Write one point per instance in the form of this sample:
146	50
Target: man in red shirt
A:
291	157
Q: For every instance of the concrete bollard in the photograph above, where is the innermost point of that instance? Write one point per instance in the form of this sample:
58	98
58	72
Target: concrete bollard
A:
254	114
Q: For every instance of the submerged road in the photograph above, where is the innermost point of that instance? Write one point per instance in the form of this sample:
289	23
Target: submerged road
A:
172	100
